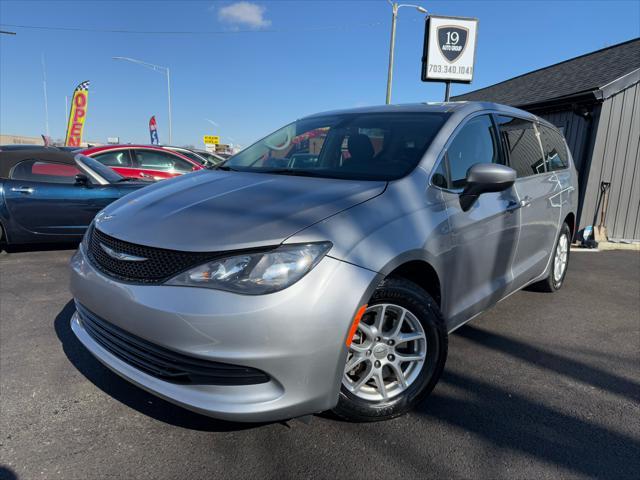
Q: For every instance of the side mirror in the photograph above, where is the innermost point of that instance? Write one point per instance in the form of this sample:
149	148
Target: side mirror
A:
82	180
485	178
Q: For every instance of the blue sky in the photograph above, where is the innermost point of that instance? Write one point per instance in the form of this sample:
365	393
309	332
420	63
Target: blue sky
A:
274	61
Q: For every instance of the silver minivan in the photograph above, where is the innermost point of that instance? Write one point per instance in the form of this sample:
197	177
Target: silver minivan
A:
323	267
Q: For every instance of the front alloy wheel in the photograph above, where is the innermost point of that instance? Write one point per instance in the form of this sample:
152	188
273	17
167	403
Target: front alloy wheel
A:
396	355
387	353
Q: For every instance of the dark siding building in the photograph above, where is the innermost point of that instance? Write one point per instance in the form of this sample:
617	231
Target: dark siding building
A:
595	100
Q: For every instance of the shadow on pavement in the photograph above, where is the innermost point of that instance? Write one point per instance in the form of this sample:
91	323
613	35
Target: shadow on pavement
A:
129	394
7	474
509	420
39	247
551	361
512	422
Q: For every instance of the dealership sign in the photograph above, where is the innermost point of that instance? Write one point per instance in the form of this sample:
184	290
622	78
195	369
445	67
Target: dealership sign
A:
77	115
449	49
211	139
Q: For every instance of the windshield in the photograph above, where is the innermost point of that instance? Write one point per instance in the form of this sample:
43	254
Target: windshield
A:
375	146
102	170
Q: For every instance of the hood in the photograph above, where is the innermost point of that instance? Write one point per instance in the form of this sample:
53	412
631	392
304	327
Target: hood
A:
217	211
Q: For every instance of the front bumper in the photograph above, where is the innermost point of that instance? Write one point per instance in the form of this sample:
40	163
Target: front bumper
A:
297	336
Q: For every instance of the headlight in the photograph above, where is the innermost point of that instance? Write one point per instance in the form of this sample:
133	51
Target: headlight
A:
256	273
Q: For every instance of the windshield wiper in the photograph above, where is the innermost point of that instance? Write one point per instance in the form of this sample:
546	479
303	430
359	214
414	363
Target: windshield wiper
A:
129	179
301	173
226	168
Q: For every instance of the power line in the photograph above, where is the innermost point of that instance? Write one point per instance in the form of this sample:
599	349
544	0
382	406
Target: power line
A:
192	32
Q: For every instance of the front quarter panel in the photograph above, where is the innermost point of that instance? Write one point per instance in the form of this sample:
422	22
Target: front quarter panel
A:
407	222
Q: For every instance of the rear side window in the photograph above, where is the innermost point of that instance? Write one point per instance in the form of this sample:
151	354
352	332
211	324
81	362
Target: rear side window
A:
193	156
40	171
115	158
522	146
555	152
475	143
161	161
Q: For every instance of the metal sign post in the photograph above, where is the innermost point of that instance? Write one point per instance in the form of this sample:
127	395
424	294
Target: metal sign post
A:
449	50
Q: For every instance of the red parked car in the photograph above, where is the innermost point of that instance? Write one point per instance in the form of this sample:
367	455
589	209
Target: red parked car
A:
143	161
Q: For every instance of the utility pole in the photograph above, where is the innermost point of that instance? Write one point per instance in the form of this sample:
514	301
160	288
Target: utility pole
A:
394	17
46	103
392	45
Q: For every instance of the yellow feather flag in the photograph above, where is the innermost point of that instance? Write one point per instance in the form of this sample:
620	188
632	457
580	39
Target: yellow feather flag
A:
77	115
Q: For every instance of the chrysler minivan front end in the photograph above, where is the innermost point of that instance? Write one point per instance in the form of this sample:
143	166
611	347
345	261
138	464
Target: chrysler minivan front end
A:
324	266
224	353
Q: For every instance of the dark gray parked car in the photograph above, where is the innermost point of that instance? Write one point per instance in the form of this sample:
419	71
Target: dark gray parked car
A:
265	290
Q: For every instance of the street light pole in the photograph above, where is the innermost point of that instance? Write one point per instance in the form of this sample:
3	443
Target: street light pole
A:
46	100
169	98
156	68
392	44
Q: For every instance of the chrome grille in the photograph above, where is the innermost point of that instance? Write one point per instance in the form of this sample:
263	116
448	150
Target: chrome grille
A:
158	265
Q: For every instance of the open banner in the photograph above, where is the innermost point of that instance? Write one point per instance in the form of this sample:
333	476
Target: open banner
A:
153	130
77	115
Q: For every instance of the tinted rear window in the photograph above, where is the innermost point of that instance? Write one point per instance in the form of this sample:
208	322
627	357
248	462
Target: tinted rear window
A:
555	151
522	146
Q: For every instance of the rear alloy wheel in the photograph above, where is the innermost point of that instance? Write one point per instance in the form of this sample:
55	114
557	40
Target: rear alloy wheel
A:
561	258
559	263
396	355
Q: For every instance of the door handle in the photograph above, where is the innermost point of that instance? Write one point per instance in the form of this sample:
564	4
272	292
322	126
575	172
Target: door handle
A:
25	190
512	206
525	202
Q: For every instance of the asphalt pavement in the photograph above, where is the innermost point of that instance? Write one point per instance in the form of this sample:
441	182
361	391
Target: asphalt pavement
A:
542	386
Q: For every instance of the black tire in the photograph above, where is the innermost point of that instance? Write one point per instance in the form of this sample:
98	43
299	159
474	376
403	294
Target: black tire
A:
550	284
410	296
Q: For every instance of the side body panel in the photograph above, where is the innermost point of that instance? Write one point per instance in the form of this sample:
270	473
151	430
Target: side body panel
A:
52	212
483	245
144	173
472	252
541	208
4	215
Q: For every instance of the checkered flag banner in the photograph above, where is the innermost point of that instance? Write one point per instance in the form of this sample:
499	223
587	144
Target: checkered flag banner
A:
77	115
83	86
